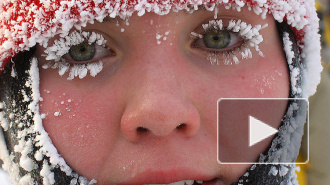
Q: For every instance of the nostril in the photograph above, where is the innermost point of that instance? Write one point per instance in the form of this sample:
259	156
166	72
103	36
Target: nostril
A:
181	126
142	130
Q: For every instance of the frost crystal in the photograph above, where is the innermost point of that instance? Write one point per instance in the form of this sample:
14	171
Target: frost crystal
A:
77	70
57	113
295	71
249	33
158	37
62	47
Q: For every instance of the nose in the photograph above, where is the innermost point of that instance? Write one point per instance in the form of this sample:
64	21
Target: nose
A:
160	115
159	105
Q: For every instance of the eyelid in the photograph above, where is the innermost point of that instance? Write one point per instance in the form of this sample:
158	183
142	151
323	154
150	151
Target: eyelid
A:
200	29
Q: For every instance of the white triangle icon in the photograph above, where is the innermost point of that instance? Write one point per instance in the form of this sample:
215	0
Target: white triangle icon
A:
259	131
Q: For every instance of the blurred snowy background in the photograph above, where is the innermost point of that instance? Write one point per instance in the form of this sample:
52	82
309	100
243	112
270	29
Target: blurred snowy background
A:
4	178
318	169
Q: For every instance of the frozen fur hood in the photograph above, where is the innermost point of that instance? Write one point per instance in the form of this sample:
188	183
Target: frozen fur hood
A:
25	23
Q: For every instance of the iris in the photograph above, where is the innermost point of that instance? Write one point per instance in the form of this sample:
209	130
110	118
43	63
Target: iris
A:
217	39
82	52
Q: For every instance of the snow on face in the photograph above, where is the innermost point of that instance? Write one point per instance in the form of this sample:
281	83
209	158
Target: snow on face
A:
162	37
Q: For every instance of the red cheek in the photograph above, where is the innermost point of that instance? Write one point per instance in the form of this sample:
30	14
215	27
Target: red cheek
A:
79	128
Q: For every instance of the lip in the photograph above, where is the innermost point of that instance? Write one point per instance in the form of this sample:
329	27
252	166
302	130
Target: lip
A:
166	177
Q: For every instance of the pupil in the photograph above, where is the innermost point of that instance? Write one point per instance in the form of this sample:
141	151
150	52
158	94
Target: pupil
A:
82	48
82	52
216	37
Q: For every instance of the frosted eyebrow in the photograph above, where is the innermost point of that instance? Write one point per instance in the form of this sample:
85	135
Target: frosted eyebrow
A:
200	8
120	21
116	20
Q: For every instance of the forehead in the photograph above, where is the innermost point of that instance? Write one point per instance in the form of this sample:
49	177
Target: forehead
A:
183	18
245	13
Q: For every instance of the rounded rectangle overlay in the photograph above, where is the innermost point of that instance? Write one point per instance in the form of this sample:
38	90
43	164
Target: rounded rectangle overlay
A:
246	128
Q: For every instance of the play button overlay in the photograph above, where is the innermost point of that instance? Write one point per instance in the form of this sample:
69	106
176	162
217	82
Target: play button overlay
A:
259	131
247	128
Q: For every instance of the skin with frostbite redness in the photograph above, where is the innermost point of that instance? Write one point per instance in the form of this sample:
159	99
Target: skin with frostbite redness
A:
157	86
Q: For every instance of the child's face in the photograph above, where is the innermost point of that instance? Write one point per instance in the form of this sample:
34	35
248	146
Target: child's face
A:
150	115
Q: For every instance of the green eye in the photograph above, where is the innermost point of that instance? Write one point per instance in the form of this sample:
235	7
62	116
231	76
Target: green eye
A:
82	52
217	39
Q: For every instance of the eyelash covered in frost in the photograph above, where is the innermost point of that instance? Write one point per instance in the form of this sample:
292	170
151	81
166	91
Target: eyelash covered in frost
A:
62	46
250	35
